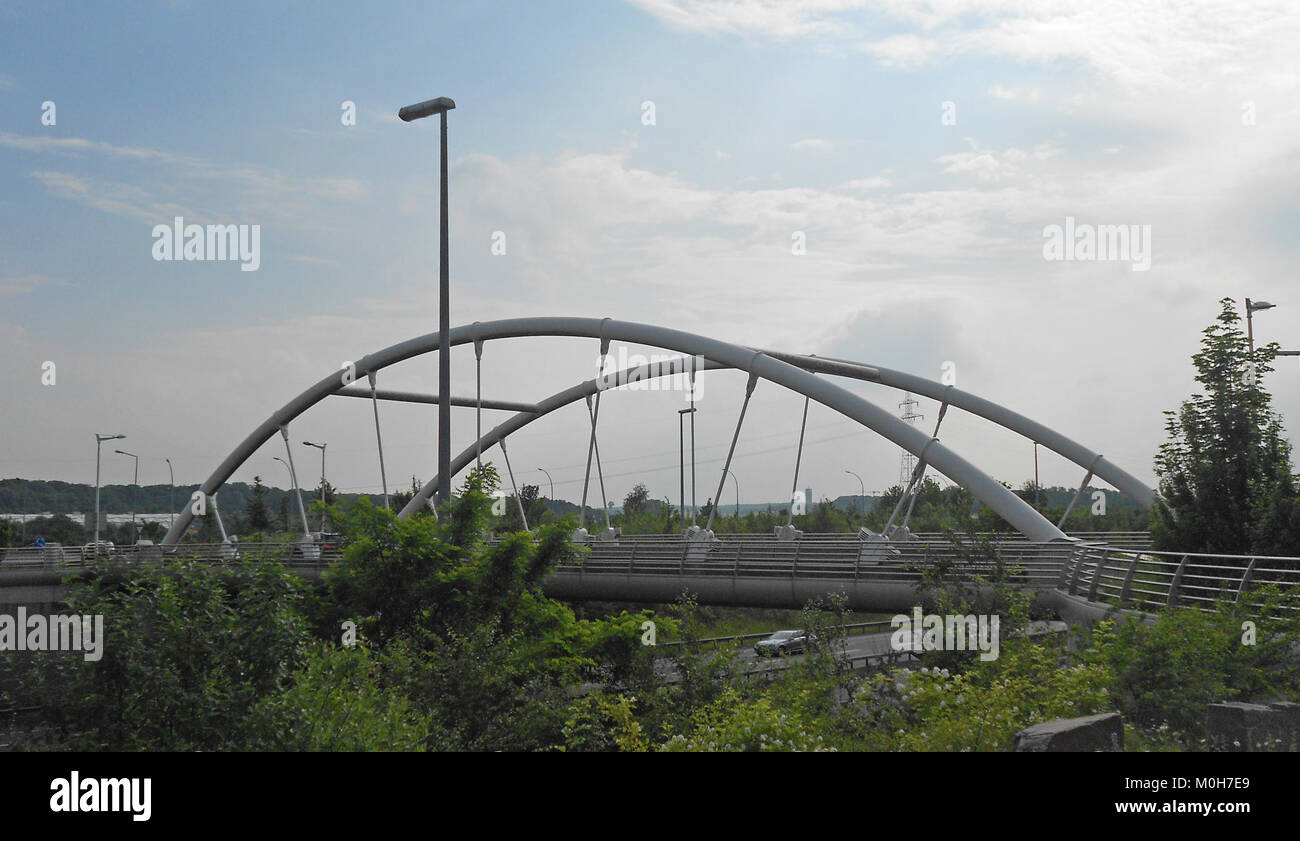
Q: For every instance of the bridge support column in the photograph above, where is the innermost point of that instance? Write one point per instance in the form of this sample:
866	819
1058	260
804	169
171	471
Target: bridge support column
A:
798	457
1086	477
379	440
943	410
722	480
293	474
518	499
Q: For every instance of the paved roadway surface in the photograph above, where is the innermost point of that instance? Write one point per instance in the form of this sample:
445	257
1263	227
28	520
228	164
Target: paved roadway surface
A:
859	645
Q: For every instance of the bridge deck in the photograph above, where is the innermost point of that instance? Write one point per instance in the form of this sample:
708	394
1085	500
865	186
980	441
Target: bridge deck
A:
761	570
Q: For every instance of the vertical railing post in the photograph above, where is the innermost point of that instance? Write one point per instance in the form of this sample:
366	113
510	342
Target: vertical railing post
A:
1078	569
1245	579
1177	582
1128	581
1067	566
1096	575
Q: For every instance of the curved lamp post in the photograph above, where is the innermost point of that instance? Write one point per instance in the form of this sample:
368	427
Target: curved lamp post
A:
863	496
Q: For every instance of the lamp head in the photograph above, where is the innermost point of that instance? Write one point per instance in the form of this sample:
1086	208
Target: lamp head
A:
427	108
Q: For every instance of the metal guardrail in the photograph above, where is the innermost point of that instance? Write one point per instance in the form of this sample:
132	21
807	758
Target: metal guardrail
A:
832	557
292	555
1117	539
882	624
858	663
1149	580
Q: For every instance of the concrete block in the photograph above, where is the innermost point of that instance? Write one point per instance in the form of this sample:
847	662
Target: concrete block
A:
1090	733
1240	727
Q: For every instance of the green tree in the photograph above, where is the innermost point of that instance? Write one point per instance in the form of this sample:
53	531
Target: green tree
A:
255	510
339	701
635	501
398	499
10	533
1225	473
188	651
529	499
57	529
493	659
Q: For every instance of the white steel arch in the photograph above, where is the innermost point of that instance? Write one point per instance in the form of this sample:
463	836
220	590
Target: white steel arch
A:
765	365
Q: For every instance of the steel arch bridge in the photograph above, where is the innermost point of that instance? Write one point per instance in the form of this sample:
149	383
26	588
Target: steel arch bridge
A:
795	372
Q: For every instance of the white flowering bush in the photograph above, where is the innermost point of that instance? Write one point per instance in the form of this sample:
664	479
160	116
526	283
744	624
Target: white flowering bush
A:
981	709
732	724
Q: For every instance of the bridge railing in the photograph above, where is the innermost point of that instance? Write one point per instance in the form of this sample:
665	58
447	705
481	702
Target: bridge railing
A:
1100	572
820	556
1149	580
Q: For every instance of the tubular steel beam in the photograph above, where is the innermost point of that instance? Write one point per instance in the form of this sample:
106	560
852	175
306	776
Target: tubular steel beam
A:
1049	438
991	493
771	366
416	397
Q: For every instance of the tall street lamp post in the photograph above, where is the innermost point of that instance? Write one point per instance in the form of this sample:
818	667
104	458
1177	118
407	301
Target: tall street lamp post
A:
737	484
681	446
320	447
99	439
134	496
428	108
1251	308
171	494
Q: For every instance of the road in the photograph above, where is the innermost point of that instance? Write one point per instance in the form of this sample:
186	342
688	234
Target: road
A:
861	645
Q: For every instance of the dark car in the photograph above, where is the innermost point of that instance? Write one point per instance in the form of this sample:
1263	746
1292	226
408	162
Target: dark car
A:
782	642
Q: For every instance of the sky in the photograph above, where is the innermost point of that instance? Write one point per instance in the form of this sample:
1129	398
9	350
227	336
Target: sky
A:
869	180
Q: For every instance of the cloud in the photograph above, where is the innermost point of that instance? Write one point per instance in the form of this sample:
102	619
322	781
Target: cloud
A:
1148	44
216	191
112	197
905	50
26	283
813	144
993	165
1033	95
81	146
775	19
873	182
